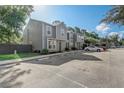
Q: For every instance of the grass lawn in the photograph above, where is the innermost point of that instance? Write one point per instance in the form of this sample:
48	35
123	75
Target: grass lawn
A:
16	56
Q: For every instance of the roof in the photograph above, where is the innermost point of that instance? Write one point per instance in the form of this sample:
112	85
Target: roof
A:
40	21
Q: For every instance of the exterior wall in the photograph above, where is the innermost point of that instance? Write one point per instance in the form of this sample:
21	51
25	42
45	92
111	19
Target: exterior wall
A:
63	45
70	41
39	33
61	35
33	34
48	36
79	41
61	31
75	37
36	34
52	47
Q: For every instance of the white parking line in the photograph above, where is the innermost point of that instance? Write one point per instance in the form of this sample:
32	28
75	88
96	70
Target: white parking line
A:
66	78
72	80
42	58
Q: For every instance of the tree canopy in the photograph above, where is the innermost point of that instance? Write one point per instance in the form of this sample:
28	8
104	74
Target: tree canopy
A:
115	15
12	20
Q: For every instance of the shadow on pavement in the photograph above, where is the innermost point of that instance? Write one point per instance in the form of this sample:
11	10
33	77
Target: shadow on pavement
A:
9	75
61	59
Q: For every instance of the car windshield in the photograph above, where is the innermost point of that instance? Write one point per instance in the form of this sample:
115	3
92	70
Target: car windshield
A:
92	46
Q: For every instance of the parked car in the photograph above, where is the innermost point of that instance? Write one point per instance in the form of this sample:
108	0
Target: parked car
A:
121	46
113	46
94	48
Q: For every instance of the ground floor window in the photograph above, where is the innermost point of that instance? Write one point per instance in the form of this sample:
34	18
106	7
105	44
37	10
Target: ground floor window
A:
51	44
54	46
67	45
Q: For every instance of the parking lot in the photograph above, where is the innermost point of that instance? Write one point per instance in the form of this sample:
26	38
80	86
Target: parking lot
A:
78	70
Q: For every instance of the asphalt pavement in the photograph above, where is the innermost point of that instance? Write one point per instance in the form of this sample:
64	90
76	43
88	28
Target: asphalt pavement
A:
82	70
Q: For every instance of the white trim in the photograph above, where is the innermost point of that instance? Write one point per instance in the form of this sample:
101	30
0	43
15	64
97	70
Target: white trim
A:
53	40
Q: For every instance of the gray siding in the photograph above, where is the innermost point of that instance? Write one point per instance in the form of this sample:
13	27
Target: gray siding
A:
54	31
33	34
45	33
38	32
59	32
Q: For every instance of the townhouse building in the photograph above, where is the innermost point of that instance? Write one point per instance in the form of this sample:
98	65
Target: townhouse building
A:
74	39
54	37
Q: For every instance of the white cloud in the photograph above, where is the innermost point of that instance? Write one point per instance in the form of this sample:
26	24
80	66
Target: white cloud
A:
120	33
113	33
102	27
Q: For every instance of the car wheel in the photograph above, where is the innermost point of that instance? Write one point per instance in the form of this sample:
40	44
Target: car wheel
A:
98	50
87	49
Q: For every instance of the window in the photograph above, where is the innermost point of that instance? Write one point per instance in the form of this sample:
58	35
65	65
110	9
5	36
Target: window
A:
49	30
52	44
92	46
67	36
62	31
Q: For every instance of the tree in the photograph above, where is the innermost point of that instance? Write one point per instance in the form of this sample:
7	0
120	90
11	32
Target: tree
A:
12	20
91	40
71	29
105	41
77	30
114	39
115	15
89	37
94	35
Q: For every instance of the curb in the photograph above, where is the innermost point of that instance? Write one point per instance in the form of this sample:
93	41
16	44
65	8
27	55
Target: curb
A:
16	61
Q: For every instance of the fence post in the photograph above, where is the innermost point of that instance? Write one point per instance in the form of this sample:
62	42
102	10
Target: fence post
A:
15	52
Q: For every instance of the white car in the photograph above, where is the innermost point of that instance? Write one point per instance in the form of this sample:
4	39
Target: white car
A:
94	48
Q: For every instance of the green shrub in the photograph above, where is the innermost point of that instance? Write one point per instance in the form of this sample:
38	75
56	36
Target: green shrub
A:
73	48
67	49
44	51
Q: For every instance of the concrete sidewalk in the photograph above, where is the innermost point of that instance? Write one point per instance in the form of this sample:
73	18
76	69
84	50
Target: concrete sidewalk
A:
37	57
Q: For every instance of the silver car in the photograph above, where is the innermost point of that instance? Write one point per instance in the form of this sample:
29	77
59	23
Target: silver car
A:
94	48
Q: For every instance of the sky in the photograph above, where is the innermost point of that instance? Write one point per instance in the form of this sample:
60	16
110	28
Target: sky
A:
83	16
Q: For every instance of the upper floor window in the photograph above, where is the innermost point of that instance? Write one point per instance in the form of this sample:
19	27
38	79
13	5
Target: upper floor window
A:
67	36
49	30
62	32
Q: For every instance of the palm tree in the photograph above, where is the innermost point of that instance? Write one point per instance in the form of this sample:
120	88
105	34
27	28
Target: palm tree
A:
115	15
